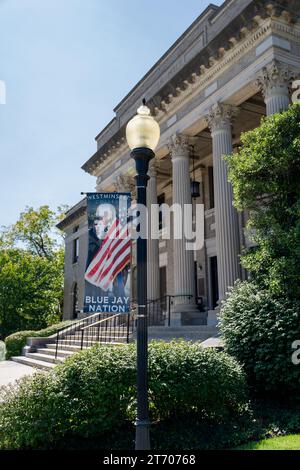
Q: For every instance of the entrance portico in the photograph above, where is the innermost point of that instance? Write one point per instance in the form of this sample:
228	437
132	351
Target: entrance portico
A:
230	68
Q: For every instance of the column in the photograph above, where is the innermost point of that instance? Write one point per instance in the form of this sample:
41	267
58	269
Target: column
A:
184	279
227	231
125	184
153	286
273	81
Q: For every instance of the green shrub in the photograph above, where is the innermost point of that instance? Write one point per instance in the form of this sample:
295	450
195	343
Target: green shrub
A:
259	330
15	342
93	393
265	173
185	378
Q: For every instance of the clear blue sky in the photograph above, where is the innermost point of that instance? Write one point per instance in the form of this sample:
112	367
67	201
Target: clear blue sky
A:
66	64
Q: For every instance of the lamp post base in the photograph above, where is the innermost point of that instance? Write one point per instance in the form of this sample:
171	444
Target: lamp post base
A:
142	435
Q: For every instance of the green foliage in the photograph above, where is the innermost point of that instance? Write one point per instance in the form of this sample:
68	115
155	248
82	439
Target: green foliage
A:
31	289
93	393
35	230
186	378
262	420
265	174
15	342
31	272
276	443
259	330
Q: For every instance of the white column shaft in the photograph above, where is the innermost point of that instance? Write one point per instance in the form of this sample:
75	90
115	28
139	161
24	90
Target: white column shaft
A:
184	280
153	281
227	231
277	100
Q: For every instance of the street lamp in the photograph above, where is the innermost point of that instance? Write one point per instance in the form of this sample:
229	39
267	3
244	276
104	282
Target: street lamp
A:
142	134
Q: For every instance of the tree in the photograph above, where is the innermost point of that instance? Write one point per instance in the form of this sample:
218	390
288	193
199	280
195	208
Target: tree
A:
36	231
31	272
265	174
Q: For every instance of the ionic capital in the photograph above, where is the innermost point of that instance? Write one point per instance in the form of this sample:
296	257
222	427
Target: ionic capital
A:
220	116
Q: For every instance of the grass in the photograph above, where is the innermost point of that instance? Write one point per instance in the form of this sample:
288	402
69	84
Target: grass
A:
277	443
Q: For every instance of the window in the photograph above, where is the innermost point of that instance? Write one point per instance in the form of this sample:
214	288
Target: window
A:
75	229
75	250
160	201
211	187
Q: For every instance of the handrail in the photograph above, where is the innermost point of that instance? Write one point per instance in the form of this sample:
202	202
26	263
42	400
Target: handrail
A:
81	320
102	321
159	310
77	323
108	329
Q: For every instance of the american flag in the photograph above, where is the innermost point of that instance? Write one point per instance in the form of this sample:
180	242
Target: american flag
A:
112	257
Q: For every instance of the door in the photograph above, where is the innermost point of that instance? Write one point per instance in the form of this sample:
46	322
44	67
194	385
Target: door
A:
214	281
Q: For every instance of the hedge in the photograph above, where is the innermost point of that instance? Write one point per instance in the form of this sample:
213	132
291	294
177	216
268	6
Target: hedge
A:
15	342
259	330
93	393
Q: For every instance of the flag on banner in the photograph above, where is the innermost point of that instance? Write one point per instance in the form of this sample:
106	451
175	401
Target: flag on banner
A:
107	275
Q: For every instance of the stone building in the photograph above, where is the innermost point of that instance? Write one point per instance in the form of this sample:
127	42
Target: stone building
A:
230	68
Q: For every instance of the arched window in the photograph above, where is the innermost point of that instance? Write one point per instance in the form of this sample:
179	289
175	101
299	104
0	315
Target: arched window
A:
75	301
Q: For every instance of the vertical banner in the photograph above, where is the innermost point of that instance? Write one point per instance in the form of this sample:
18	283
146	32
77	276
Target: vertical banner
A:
107	275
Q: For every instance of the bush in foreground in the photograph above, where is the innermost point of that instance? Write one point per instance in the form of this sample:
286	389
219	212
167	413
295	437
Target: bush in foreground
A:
265	173
93	393
15	342
259	330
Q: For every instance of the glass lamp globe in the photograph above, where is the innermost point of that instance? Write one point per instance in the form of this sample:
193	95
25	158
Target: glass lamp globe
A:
142	130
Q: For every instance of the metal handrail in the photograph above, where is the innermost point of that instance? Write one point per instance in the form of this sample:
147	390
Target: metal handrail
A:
113	332
159	314
75	335
159	310
102	321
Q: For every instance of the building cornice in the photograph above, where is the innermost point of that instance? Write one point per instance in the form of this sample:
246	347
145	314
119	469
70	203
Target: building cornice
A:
73	214
163	107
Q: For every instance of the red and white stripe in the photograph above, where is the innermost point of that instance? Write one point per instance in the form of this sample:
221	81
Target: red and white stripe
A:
112	257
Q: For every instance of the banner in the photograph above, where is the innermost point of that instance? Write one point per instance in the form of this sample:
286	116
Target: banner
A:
107	275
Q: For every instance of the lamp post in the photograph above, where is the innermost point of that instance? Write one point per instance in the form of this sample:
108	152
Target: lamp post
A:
142	134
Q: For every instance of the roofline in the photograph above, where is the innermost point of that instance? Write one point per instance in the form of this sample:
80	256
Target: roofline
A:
72	214
116	133
210	7
106	127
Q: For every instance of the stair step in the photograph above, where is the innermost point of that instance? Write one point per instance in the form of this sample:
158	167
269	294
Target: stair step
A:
95	334
75	348
93	337
45	357
51	351
89	343
33	362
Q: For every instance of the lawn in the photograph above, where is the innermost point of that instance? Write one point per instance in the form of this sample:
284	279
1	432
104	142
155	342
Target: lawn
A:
277	443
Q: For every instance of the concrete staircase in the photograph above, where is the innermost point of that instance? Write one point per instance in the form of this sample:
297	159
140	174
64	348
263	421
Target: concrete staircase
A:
194	333
40	352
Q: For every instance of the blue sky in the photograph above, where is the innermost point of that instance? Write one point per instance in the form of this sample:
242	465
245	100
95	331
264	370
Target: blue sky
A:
66	64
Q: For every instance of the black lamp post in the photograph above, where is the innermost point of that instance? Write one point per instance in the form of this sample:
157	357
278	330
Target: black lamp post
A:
142	134
195	185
